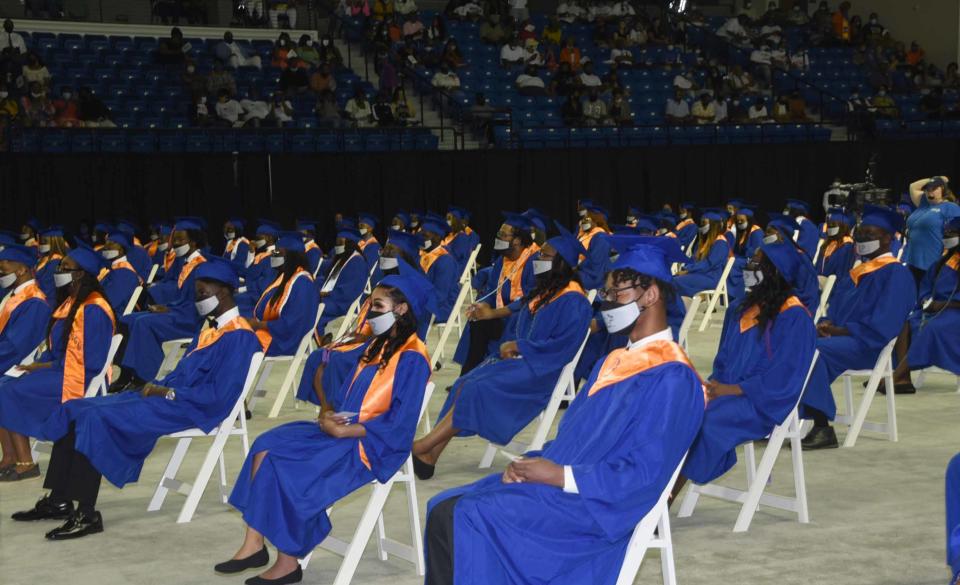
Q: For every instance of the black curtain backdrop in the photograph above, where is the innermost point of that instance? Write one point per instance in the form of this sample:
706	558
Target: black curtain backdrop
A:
70	189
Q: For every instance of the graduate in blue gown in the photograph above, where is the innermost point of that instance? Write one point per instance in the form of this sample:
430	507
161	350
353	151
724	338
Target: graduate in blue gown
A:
308	229
565	515
368	244
710	258
748	238
113	435
52	249
144	332
457	241
595	262
809	235
935	322
836	256
767	343
259	275
237	248
500	397
806	285
687	225
63	372
137	255
867	310
346	280
120	279
286	309
295	472
440	266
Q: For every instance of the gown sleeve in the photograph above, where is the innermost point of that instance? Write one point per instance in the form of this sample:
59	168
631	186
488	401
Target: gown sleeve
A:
23	332
717	256
443	276
893	298
350	284
97	334
299	309
558	328
596	264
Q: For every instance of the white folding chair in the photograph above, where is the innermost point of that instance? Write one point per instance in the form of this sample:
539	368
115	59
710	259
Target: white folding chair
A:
352	550
825	296
172	350
132	303
900	252
644	537
757	477
471	269
817	253
716	294
235	424
153	273
688	319
349	317
295	360
856	420
437	352
565	389
455	318
922	376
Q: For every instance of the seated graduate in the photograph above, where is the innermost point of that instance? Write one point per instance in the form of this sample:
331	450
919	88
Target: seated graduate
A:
767	343
23	319
99	235
509	279
165	257
710	257
400	221
866	311
809	234
237	248
539	221
345	282
806	285
749	232
687	227
595	262
53	247
460	239
153	242
113	435
730	212
667	225
286	309
931	336
308	229
295	472
441	266
144	332
368	244
121	278
78	340
953	518
566	514
166	289
137	256
29	232
837	257
413	226
258	276
502	395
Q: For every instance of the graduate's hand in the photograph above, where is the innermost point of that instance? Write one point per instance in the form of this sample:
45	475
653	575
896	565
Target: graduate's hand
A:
157	308
479	312
538	470
717	389
509	350
34	367
151	389
256	324
510	475
823	328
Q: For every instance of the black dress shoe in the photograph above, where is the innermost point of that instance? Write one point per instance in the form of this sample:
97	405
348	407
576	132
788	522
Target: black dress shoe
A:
45	509
820	438
78	526
422	469
254	561
906	388
294	576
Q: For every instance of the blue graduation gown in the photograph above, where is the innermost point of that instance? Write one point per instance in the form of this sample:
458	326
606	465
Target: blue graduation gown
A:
952	493
338	363
238	255
164	289
306	471
874	311
770	366
595	265
140	260
118	432
27	402
623	442
148	330
749	247
351	279
371	254
44	278
445	278
839	262
704	274
809	237
933	336
119	285
807	285
314	256
258	277
460	247
23	332
296	315
686	232
498	398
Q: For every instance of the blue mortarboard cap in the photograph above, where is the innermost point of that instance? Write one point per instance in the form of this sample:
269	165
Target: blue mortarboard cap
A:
219	269
785	224
292	241
102	226
200	221
403	216
539	219
347	222
594	208
268	228
584	202
127	226
648	223
882	217
165	229
747	210
649	255
368	218
840	216
236	222
33	223
517	220
185	223
409	243
8	237
119	237
668	219
738	203
349	234
568	247
26	255
418	291
91	262
798	204
54	231
714	214
784	256
633	211
307	225
458	212
688	205
431	216
435	225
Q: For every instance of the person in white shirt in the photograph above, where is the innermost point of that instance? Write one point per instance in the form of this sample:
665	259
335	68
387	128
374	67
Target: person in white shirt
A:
677	111
621	54
529	83
570	11
531	56
228	110
282	8
734	31
511	54
684	81
281	110
359	110
588	78
595	110
719	109
518	10
11	41
758	112
469	9
445	78
620	9
703	111
255	110
405	7
232	54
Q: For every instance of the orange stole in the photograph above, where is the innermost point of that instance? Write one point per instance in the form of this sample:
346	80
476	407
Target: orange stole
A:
31	291
43	261
670	235
513	268
272	311
953	262
232	244
311	245
835	245
867	267
188	268
210	335
428	258
363	243
742	240
74	385
118	265
152	247
684	224
622	363
169	257
571	287
377	399
586	238
748	320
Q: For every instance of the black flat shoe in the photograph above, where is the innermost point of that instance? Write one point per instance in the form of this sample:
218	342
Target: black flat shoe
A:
293	577
422	469
820	438
14	474
45	509
254	561
906	388
77	526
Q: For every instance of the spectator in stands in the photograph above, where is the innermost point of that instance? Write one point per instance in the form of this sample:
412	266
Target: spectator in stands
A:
685	82
445	79
704	111
36	72
951	79
405	7
738	81
329	53
9	108
281	110
359	110
230	53
358	8
762	60
529	83
467	10
797	108
200	112
874	33
856	30
195	83
781	109
758	113
511	54
382	10
322	80
307	51
572	110
620	112
437	31
172	51
451	55
403	108
798	16
841	23
228	110
382	110
595	109
571	11
821	25
219	79
413	29
255	110
531	56
293	79
518	10
571	55
564	82
527	30
492	31
915	55
281	48
35	107
326	110
677	109
92	112
588	78
65	109
621	54
551	32
11	43
931	104
282	10
720	109
734	31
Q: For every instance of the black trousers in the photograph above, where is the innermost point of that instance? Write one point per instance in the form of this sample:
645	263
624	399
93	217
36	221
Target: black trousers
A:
71	476
819	417
481	334
439	541
917	274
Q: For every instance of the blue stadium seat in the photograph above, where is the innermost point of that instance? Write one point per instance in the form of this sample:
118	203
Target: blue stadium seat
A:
112	141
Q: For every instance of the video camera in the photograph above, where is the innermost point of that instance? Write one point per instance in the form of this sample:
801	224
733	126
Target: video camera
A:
853	196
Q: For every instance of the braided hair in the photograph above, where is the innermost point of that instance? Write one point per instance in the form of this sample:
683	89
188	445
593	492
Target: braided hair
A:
391	340
552	282
88	285
769	294
291	262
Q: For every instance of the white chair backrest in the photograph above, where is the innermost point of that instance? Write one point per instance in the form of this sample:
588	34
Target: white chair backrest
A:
813	363
348	318
816	254
688	319
471	262
252	372
153	272
98	385
592	295
722	283
461	298
825	297
132	303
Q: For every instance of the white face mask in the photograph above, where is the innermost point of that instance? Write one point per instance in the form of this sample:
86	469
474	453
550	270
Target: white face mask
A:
620	318
582	213
259	243
631	219
229	235
364	231
950	243
542	266
207	305
110	254
339	250
181	251
388	263
382	323
61	279
7	280
771	239
742	225
586	226
24	237
867	248
450	222
704	229
499	244
414	223
276	261
44	248
93	238
154	237
661	231
683	216
832	231
395	227
163	247
427	243
3	95
752	278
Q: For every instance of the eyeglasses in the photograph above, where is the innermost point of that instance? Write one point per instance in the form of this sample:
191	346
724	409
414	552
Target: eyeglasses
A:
611	294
